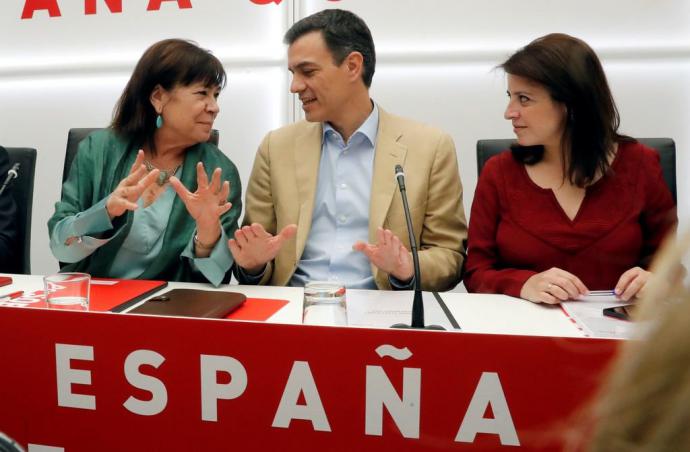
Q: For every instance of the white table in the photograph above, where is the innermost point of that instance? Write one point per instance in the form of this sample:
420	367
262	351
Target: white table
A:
475	313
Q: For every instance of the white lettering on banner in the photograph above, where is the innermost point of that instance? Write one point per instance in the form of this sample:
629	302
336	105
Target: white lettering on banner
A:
115	6
212	391
400	354
380	392
66	376
159	394
488	392
301	380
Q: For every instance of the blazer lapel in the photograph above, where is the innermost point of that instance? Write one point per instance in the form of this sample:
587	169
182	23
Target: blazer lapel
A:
307	158
389	152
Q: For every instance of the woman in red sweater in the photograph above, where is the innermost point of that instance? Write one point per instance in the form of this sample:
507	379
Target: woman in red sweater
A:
575	206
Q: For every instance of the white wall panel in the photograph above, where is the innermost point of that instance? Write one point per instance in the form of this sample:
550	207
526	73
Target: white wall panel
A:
253	103
414	25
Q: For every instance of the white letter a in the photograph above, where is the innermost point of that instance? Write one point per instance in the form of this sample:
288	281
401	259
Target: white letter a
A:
488	392
301	380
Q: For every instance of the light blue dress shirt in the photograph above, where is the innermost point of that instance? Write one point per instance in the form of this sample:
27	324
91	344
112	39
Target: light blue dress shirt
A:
341	210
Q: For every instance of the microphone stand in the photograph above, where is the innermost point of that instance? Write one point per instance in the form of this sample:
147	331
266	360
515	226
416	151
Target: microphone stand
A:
11	174
417	302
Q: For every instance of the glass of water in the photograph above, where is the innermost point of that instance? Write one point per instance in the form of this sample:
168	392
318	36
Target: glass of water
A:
324	303
67	291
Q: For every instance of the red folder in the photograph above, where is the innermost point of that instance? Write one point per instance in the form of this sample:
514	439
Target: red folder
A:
259	309
119	294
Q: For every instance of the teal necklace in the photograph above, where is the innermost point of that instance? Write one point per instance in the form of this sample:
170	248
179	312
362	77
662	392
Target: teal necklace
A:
164	175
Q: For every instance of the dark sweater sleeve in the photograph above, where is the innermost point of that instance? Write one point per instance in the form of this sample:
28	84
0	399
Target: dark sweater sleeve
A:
484	272
8	217
659	216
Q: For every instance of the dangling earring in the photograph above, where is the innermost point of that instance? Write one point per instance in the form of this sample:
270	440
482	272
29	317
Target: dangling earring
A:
159	122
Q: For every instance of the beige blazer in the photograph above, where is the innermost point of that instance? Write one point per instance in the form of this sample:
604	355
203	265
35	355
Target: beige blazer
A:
283	183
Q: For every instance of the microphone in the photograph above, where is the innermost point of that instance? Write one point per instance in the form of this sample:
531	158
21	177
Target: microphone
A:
417	303
400	177
11	174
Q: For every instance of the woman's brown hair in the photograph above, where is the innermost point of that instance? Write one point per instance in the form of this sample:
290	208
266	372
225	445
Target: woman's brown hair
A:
571	72
167	63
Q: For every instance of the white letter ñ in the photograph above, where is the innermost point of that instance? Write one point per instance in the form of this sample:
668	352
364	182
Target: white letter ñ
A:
381	392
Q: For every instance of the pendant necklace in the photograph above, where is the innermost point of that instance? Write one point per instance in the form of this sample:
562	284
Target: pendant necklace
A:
164	175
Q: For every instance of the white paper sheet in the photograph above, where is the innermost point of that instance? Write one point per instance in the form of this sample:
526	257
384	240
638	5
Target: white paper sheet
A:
383	308
588	315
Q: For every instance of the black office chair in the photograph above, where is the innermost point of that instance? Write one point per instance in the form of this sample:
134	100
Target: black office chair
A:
75	136
23	193
666	148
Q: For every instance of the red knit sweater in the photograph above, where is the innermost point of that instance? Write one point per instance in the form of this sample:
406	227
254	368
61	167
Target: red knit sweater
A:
518	229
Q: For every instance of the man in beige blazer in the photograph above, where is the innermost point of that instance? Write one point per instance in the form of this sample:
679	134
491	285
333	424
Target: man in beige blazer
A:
331	56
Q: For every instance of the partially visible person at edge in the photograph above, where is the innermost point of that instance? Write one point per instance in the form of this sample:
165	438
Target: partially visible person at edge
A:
644	405
8	219
576	206
322	201
145	198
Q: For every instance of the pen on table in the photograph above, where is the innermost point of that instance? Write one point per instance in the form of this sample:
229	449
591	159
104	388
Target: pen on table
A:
601	292
12	295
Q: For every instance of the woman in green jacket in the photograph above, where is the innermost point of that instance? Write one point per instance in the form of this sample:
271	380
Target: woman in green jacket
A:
145	198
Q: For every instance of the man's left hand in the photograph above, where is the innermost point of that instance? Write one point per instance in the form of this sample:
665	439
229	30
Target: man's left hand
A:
388	254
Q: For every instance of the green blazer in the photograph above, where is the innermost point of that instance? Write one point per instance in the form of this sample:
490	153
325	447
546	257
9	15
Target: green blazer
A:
103	160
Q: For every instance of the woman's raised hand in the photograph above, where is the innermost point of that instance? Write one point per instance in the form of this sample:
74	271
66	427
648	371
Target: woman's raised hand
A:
128	191
206	204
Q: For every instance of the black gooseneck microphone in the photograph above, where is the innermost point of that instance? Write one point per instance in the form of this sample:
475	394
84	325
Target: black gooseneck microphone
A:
11	174
417	303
